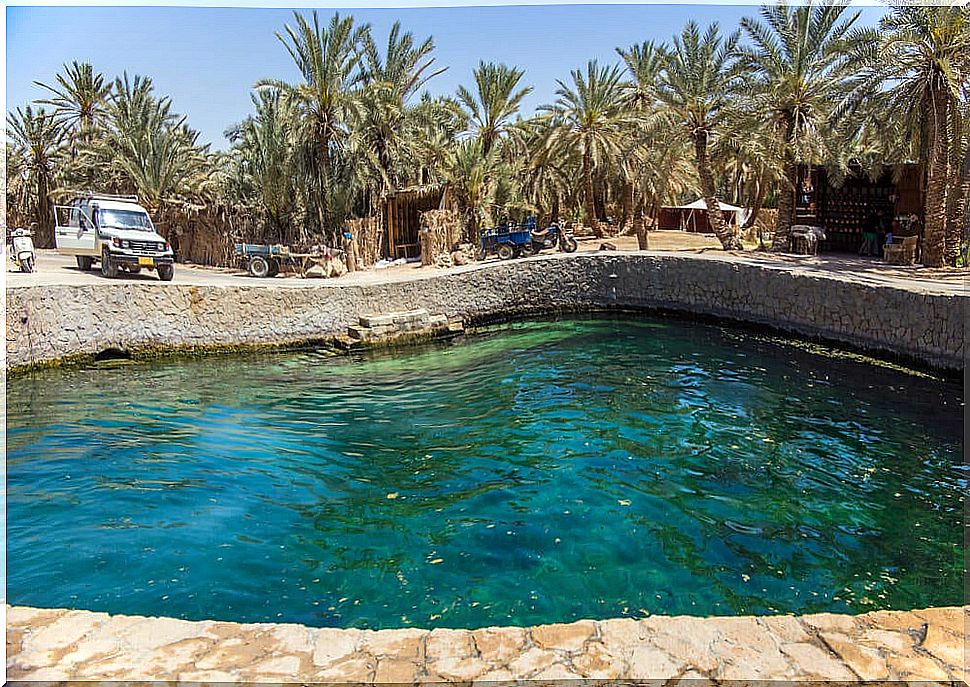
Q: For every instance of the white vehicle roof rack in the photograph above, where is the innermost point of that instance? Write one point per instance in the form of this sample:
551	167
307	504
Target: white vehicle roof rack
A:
91	195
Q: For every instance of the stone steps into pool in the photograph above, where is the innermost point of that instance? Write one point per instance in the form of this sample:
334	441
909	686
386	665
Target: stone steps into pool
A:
394	328
920	645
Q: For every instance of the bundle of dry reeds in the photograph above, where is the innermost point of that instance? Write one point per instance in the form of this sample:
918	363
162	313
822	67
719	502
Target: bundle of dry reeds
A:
439	234
370	238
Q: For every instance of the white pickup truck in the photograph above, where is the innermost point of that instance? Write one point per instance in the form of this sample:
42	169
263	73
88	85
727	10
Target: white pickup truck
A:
114	231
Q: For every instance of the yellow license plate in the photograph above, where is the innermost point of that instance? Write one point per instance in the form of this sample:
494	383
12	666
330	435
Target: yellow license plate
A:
146	261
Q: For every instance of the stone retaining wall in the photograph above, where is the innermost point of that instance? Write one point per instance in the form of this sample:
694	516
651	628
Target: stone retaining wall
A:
47	323
926	645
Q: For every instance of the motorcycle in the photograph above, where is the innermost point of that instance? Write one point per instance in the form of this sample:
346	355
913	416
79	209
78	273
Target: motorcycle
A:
513	240
552	236
22	249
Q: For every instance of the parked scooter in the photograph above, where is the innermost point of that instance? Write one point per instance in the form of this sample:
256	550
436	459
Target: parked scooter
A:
551	236
22	248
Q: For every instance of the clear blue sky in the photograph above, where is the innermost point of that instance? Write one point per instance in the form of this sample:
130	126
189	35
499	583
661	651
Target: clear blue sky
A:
207	59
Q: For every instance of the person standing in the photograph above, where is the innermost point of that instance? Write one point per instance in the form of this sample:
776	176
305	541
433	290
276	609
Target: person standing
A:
869	233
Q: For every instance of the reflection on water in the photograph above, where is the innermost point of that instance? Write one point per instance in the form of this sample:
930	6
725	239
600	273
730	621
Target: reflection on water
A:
547	472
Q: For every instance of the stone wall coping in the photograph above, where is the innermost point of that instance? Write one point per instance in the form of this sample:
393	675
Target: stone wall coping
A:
906	318
61	644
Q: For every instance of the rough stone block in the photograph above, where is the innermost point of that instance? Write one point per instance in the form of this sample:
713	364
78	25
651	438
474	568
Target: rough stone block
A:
376	320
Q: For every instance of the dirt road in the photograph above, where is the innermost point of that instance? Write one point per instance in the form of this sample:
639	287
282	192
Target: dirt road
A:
60	269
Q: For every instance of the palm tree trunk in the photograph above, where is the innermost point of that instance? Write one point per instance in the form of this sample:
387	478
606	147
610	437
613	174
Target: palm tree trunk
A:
627	205
724	233
786	206
640	227
759	201
954	200
934	236
588	188
45	224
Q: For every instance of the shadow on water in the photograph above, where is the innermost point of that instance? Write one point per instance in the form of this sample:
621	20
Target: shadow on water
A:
533	472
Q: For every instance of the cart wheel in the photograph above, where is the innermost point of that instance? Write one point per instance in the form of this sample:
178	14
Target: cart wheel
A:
505	252
258	266
529	249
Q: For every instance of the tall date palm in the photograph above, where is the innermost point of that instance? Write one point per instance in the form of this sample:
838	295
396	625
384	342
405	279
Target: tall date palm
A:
590	114
793	63
325	101
495	101
698	84
37	139
924	55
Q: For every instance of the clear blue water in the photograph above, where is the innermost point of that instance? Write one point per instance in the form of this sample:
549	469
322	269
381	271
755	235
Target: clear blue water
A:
543	472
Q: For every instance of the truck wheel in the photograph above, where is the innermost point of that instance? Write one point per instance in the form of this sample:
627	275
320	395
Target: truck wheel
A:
108	268
166	272
258	266
274	267
505	252
84	262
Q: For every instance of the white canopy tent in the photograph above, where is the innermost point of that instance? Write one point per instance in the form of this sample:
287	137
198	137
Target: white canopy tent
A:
740	214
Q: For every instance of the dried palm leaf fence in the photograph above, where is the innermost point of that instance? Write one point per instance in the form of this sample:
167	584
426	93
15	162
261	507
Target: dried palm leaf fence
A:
204	235
371	238
439	235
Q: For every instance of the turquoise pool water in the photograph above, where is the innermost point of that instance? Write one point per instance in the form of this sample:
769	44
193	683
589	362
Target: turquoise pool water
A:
541	472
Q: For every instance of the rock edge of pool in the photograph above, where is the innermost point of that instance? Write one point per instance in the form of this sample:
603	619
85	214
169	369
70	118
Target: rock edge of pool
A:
919	645
909	318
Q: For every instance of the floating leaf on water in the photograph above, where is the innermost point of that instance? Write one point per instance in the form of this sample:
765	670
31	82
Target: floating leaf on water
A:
745	577
624	502
436	561
392	495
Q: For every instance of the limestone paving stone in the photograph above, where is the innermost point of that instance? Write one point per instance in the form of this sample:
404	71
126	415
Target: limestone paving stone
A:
499	645
569	637
333	645
811	660
944	645
94	646
407	643
446	643
865	661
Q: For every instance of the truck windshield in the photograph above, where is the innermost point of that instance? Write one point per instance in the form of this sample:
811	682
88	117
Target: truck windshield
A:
124	219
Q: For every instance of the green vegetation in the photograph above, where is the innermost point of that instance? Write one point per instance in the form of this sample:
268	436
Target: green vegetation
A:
728	116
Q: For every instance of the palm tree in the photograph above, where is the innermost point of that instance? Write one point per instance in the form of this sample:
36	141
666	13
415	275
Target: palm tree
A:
149	148
495	103
328	59
471	174
923	54
590	114
697	85
382	139
793	64
37	138
79	100
264	165
653	166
